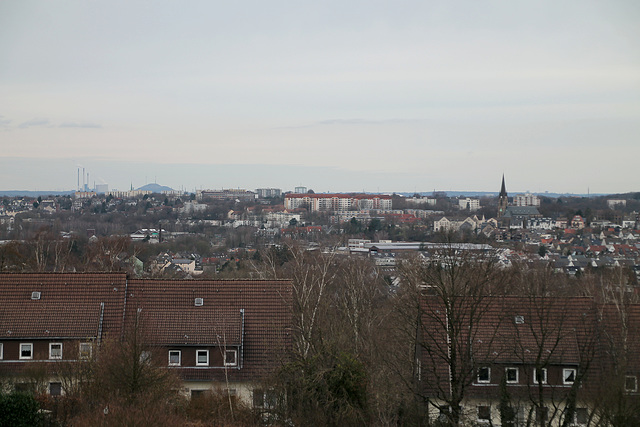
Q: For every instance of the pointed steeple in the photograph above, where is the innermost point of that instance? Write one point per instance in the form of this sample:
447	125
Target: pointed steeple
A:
503	199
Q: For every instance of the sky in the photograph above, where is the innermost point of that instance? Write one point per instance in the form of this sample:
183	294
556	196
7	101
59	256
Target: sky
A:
336	96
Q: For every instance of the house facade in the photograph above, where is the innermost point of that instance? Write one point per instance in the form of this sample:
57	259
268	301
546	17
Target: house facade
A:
527	360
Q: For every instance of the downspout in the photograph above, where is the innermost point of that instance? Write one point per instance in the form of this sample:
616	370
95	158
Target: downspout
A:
241	340
124	306
100	322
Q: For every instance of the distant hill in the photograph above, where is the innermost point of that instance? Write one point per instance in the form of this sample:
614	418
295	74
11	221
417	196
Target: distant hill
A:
155	188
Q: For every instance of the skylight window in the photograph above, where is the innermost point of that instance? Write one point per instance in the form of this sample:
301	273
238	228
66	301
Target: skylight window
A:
35	295
199	302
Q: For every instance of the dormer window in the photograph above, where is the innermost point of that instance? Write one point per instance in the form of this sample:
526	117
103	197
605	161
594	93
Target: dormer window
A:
55	350
199	302
35	295
631	383
202	357
230	357
26	351
568	376
84	350
175	357
484	374
540	376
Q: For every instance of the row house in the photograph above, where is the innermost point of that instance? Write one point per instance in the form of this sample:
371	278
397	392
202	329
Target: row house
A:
212	333
527	360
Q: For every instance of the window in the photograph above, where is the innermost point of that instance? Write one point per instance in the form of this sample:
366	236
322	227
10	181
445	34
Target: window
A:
230	357
198	394
1	351
484	413
484	374
35	295
512	375
175	357
84	350
542	414
443	415
264	398
202	357
26	351
519	320
540	376
568	376
631	383
55	350
581	416
199	302
145	357
55	389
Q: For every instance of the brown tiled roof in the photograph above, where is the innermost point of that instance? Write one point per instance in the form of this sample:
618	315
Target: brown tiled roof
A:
71	305
169	312
555	331
251	315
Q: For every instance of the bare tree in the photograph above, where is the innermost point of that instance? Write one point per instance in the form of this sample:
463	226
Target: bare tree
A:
455	284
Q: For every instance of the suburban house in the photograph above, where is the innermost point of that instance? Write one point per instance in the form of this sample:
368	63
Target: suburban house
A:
225	334
526	360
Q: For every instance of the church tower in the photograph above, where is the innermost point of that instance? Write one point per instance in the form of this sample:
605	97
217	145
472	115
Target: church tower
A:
503	200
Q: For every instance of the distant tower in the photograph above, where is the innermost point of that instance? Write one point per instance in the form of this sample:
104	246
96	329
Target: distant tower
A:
503	199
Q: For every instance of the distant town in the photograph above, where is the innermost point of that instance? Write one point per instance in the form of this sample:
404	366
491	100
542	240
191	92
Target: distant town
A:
571	233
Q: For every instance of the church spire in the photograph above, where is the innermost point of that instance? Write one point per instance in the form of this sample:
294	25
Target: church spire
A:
503	190
503	199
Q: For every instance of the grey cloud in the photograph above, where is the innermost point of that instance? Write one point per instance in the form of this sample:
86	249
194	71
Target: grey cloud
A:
364	121
80	125
34	123
355	122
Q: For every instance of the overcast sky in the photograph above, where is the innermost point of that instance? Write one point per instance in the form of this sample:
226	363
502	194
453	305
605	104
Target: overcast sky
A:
342	95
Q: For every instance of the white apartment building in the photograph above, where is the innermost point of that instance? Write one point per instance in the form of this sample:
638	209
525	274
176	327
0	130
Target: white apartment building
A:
268	192
421	201
526	199
468	203
338	202
612	203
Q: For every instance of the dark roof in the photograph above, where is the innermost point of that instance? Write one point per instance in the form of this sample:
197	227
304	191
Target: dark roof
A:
70	304
253	316
552	331
512	211
168	309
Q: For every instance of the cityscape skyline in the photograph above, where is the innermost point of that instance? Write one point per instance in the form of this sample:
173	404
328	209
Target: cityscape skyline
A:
355	96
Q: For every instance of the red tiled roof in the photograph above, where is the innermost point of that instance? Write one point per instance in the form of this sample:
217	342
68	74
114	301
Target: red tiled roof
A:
339	196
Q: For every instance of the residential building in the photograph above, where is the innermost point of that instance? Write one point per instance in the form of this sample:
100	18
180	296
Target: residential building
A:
526	199
421	201
523	360
226	194
338	202
214	334
469	204
268	192
613	203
